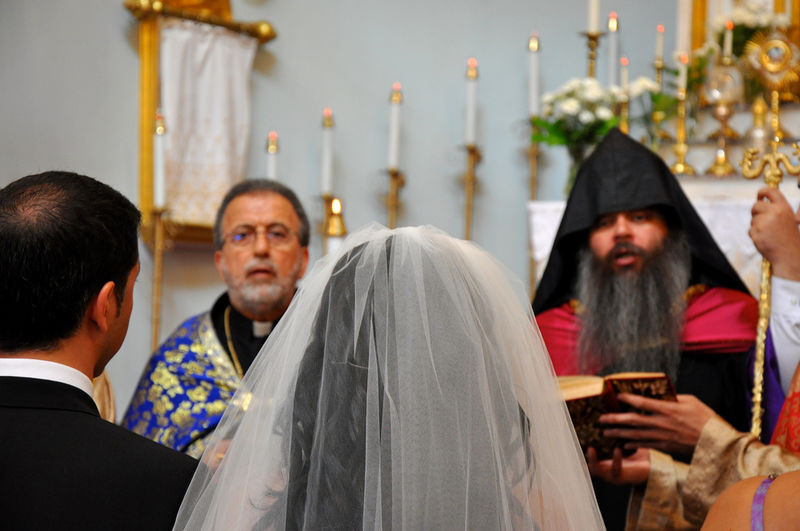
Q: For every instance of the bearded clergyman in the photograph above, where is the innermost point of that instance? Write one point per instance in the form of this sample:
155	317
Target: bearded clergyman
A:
261	235
635	282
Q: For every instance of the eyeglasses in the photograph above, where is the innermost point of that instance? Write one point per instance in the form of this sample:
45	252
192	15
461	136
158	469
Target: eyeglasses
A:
278	236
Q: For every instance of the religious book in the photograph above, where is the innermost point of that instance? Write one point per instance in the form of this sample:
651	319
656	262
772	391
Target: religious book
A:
588	397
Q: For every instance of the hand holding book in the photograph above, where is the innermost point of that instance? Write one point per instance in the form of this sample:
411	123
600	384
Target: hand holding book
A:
667	426
589	397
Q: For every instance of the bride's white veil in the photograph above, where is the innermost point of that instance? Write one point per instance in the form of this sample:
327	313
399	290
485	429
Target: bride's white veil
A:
405	388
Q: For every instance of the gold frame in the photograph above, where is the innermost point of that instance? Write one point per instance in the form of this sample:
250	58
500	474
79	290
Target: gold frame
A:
148	12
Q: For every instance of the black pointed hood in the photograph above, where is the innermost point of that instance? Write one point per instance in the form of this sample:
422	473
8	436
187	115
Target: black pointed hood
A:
622	174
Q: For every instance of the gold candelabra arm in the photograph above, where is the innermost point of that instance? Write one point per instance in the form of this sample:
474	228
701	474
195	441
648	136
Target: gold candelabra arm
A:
393	203
749	171
470	181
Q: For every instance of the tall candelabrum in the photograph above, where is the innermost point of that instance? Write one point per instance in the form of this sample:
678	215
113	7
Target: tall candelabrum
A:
470	183
159	245
681	148
393	203
777	61
770	167
533	158
659	115
593	42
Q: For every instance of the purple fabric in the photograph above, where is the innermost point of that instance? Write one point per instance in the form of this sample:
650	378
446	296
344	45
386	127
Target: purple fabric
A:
757	510
772	396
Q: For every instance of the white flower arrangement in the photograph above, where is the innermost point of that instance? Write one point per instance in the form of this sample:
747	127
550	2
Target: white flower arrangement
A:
751	15
579	102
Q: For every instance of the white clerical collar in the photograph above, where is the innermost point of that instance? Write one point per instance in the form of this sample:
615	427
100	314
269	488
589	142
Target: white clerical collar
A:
45	370
261	328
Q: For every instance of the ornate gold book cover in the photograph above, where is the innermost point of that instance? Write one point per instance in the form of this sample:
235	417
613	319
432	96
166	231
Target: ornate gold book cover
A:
588	397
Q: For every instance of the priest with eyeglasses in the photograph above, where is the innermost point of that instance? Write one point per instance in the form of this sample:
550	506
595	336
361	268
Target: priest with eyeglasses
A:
261	234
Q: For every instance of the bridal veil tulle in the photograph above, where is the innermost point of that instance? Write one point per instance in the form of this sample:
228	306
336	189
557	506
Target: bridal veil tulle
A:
405	388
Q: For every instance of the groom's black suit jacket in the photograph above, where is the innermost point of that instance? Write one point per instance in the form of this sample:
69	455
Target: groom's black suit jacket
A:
64	467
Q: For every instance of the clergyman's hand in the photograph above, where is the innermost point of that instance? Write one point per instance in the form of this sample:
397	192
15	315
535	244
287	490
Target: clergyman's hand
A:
774	232
619	470
672	427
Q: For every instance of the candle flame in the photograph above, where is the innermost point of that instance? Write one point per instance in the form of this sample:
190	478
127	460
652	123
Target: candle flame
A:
685	58
273	136
160	128
472	62
396	86
613	23
623	61
729	25
327	112
533	42
660	28
336	206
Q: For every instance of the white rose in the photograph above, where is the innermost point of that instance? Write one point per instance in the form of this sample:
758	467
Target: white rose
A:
569	106
641	85
548	98
572	84
594	93
604	113
586	117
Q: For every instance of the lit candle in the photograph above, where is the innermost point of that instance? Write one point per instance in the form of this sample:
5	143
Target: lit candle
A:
685	25
660	41
272	155
682	72
159	169
594	13
327	151
613	47
624	73
394	125
533	75
727	48
472	101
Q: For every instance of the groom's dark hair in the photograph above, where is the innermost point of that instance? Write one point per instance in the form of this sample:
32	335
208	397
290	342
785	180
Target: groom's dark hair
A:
63	236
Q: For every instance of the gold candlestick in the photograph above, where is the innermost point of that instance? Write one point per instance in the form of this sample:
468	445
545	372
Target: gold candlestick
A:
770	166
623	113
327	200
393	203
658	116
158	268
470	181
592	41
681	148
721	167
658	64
533	158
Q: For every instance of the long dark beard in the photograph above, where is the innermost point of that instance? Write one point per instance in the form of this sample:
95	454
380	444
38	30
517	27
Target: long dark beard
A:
632	321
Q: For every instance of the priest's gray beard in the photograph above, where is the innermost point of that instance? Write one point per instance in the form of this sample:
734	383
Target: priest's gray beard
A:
632	321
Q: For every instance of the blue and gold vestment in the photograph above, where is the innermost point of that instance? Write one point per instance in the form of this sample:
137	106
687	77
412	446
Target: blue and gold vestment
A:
185	388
